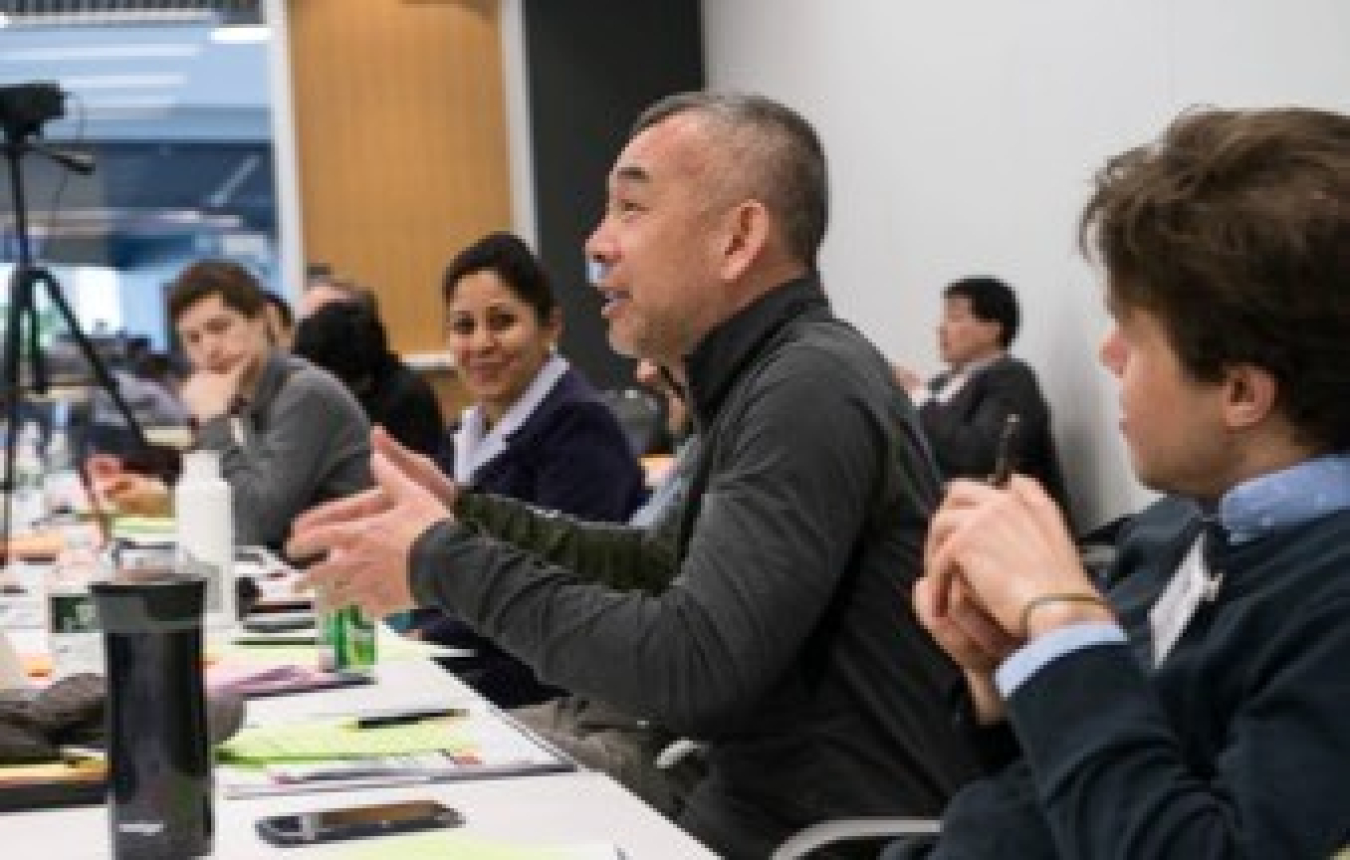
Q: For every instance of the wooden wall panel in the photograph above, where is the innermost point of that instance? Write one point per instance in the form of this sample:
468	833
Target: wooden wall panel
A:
401	144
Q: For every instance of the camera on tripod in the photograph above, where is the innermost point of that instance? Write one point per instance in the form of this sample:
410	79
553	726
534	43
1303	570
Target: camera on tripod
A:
23	110
25	107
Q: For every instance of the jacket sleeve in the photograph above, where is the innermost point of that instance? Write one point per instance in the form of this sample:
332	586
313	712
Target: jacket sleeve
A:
778	522
1115	781
619	556
965	435
311	426
586	468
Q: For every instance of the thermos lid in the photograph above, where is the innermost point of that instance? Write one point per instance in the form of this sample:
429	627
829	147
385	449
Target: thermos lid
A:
150	599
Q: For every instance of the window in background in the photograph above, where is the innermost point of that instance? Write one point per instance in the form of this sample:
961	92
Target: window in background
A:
178	121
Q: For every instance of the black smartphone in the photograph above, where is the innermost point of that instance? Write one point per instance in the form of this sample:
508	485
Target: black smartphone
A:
329	825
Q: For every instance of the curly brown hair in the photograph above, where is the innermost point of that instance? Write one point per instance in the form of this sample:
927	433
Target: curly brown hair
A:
1234	230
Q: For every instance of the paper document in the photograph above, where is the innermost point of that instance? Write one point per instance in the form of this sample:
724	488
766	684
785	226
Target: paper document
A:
332	754
342	739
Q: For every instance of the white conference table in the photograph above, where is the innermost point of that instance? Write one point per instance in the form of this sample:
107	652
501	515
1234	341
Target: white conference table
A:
560	808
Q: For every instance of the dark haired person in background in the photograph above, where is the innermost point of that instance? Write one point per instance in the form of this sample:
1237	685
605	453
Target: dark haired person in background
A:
1197	708
324	289
964	409
289	435
348	341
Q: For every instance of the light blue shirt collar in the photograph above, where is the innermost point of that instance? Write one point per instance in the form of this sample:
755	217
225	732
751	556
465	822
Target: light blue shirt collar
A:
475	446
1289	497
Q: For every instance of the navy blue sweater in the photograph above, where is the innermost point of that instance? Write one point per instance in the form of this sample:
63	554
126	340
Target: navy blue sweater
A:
1238	746
571	456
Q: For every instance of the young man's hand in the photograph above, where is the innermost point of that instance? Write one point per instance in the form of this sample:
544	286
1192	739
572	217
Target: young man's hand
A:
1009	548
208	394
972	638
137	495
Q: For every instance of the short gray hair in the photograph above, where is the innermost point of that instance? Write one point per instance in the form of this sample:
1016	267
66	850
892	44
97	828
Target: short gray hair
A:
774	149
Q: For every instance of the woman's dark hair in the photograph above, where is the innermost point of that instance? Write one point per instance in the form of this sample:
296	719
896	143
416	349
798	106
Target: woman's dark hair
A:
513	262
345	339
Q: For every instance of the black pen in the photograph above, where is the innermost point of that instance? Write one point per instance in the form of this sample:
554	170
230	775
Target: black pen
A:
1005	459
377	721
267	639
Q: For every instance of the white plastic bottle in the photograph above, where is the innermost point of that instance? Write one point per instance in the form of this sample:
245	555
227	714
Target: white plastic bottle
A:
61	483
73	635
30	504
204	518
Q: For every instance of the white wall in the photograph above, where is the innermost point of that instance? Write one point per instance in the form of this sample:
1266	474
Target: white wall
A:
962	135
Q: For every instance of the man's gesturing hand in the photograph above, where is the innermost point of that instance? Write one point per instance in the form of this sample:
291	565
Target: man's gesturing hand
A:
364	543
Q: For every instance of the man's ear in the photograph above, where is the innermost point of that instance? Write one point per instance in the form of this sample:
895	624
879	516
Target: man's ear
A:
747	233
1250	395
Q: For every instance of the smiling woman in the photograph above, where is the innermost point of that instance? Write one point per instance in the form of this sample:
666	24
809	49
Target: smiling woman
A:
501	320
536	430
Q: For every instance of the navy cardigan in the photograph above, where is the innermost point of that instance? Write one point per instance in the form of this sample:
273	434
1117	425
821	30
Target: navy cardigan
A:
571	456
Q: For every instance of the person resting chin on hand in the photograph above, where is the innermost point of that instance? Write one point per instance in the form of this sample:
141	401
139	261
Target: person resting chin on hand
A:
289	436
206	394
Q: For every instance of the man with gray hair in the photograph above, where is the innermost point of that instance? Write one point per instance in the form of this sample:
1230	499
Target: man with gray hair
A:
767	615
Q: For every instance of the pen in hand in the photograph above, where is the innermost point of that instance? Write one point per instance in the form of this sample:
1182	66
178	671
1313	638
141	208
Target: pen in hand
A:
1005	458
1005	463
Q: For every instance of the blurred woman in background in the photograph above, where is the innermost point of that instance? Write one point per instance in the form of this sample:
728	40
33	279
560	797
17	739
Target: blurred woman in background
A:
347	339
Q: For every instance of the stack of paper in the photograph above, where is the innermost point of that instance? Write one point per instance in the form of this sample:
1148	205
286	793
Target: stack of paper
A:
325	755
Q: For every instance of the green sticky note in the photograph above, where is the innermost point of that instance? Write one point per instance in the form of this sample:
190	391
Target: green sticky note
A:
137	526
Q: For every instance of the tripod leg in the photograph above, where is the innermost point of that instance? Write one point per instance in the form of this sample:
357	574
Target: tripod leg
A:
105	379
20	296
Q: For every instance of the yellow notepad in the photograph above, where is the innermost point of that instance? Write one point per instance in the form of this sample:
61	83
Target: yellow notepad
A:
341	739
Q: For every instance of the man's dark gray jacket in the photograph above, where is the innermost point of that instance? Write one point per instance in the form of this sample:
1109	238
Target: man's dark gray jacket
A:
772	616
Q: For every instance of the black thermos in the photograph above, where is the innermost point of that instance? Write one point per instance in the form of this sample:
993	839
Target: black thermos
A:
159	756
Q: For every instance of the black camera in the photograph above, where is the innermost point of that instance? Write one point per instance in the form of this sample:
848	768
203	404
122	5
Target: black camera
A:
25	107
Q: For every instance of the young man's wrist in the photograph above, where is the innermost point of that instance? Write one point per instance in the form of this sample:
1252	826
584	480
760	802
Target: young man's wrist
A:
1054	611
